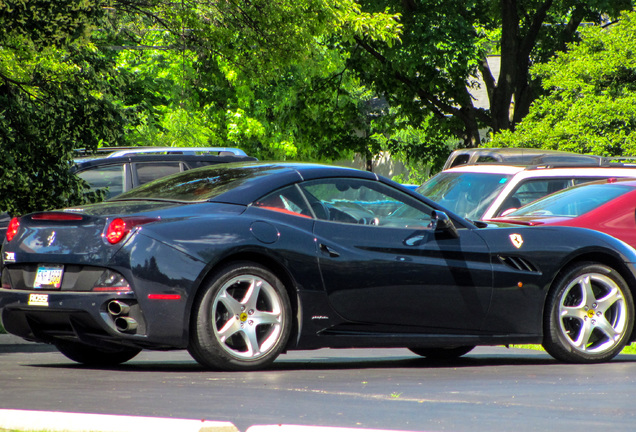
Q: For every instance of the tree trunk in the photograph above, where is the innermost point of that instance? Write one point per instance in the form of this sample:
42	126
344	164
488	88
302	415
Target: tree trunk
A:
502	93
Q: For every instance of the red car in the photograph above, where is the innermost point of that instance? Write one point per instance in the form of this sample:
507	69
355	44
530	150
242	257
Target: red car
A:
608	206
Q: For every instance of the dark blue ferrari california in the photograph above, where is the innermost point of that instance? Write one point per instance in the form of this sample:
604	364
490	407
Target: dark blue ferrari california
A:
241	262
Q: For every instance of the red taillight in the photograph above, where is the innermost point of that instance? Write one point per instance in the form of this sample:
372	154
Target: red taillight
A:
118	228
12	230
112	289
116	231
111	281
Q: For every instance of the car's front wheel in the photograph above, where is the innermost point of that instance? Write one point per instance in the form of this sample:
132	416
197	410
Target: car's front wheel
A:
589	314
241	320
93	356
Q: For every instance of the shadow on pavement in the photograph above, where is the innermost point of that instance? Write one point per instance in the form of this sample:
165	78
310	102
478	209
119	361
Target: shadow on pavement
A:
326	364
180	361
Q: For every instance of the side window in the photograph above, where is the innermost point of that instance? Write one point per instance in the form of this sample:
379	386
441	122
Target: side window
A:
486	159
287	200
582	180
538	188
460	160
367	202
108	177
534	189
148	171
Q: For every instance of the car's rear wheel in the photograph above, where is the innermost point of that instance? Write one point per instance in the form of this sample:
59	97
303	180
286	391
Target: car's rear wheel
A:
94	356
589	314
444	353
241	320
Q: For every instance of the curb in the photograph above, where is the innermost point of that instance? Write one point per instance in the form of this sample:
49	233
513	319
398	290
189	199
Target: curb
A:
297	428
23	420
52	421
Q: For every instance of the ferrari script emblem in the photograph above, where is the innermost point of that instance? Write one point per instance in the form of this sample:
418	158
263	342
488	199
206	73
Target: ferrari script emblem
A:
516	240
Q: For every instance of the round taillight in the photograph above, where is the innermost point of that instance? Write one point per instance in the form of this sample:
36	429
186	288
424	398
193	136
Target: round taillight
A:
116	230
12	230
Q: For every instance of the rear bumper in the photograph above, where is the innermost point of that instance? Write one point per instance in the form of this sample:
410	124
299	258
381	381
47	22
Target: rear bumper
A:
50	316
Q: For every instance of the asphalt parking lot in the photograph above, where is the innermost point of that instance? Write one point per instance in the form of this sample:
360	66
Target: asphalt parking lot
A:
335	390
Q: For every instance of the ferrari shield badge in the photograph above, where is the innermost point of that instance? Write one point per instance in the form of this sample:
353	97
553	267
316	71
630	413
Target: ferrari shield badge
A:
516	240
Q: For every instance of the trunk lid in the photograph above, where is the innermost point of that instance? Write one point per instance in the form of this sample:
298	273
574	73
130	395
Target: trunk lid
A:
76	235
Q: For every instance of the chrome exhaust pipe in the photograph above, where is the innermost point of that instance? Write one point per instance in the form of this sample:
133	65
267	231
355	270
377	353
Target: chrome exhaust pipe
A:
116	308
125	324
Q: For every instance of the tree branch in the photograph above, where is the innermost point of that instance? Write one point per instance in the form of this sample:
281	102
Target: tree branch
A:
530	38
435	105
489	79
571	27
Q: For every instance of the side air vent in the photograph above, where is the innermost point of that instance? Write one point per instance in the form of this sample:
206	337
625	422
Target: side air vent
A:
518	263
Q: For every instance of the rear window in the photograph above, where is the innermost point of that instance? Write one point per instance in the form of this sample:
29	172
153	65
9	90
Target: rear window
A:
466	194
200	184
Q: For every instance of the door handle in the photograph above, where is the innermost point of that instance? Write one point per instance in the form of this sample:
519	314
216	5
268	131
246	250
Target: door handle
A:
329	251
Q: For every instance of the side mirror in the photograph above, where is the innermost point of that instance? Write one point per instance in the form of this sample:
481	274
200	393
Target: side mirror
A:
442	224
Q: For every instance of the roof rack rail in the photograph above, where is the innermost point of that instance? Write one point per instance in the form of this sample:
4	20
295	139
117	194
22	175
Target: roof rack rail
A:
567	160
601	162
125	151
625	160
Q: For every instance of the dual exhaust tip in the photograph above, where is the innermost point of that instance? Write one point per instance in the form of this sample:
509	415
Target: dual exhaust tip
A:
119	311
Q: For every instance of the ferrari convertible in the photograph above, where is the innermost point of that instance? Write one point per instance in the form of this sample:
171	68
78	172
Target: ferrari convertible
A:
241	262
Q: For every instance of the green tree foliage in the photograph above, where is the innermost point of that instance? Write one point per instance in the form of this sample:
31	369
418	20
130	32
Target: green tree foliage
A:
287	79
54	96
258	74
265	76
427	79
591	104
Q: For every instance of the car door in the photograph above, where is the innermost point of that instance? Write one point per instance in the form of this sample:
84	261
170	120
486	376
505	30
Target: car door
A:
382	264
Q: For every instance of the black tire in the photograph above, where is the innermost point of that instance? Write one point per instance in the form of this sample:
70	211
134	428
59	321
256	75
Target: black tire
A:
236	327
94	356
589	314
445	353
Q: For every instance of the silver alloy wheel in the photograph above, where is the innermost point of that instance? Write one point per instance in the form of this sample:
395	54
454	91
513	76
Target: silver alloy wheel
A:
247	315
593	314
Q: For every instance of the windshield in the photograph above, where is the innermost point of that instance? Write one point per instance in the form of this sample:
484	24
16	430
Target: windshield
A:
574	201
200	184
467	194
